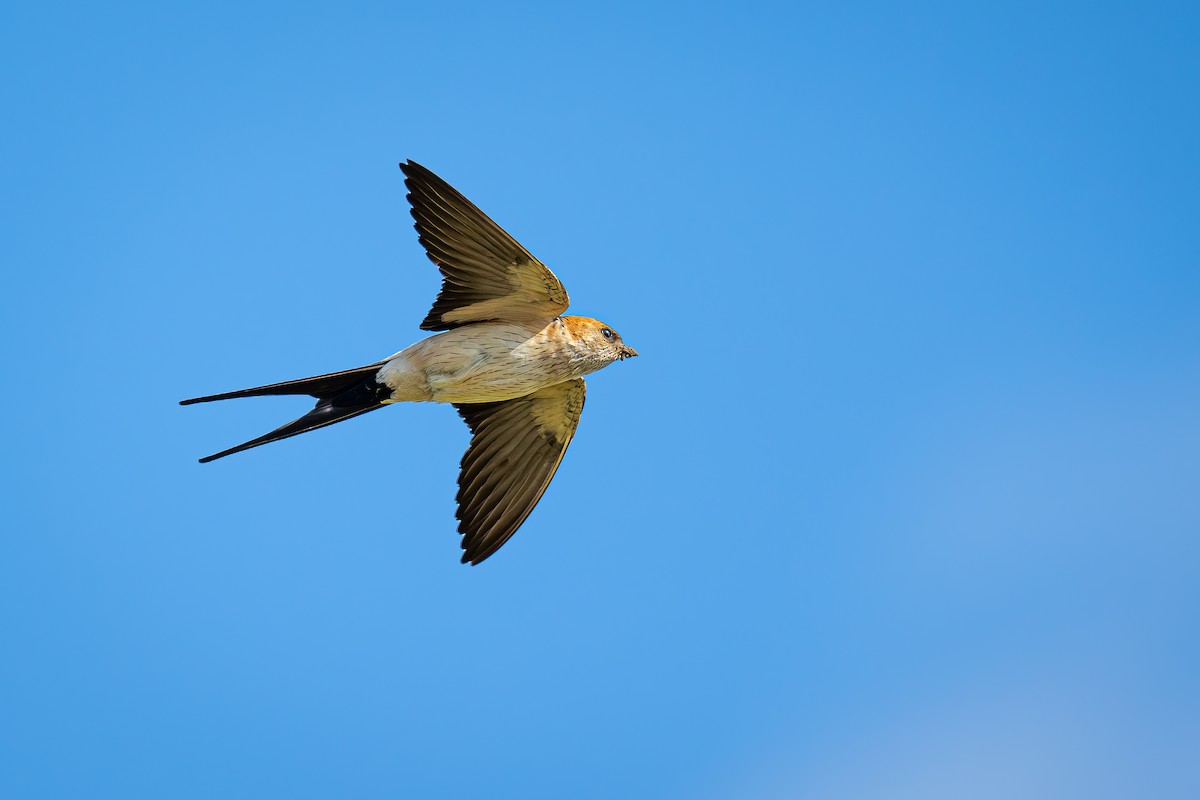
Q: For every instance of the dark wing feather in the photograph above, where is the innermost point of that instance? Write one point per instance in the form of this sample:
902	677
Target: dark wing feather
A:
516	446
486	274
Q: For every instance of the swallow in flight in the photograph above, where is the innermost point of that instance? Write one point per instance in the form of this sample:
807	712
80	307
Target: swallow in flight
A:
505	358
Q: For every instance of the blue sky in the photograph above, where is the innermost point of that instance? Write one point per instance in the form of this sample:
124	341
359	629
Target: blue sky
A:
900	500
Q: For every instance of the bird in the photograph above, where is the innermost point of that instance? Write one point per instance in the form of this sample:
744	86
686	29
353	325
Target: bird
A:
504	356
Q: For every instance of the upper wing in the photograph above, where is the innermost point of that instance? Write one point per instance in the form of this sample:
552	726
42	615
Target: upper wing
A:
516	446
486	274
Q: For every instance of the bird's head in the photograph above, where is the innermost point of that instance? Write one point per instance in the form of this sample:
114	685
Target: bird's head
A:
601	343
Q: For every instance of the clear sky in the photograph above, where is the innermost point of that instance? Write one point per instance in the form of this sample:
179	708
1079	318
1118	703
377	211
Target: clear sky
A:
901	499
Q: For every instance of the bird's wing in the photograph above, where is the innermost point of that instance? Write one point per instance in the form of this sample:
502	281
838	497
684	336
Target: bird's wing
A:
516	446
486	274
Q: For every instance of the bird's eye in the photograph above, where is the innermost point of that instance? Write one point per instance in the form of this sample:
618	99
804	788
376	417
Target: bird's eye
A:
606	333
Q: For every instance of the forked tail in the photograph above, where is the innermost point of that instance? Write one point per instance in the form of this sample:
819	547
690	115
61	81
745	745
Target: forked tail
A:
340	395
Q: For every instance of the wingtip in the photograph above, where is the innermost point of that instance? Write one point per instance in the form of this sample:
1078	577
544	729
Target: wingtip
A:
473	559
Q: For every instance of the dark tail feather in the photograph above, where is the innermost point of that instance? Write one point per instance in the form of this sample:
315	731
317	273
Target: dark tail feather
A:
319	386
340	395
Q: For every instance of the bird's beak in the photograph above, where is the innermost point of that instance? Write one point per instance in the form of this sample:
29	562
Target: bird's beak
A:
627	352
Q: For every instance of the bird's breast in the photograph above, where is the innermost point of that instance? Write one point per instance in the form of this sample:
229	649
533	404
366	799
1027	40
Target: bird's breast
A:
480	363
